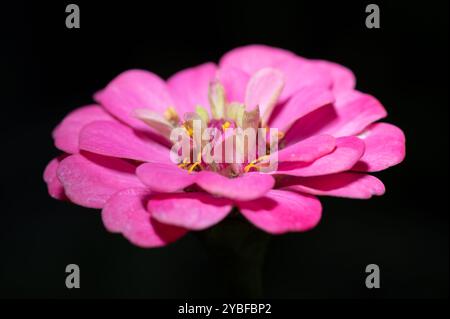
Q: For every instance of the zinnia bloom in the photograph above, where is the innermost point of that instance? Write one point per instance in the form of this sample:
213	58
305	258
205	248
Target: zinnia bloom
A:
116	152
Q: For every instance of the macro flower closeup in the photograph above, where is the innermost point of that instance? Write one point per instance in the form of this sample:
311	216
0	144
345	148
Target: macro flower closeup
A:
117	154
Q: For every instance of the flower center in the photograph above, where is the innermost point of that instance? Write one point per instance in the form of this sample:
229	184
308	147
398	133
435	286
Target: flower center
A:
231	141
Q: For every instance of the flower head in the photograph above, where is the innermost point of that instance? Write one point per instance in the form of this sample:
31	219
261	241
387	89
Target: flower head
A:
265	131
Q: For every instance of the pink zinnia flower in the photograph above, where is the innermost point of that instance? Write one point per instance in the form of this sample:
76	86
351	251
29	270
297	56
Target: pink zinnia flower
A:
116	153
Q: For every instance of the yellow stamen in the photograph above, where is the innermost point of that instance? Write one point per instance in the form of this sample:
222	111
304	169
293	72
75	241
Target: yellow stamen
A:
193	166
226	125
249	166
197	163
189	129
254	163
185	163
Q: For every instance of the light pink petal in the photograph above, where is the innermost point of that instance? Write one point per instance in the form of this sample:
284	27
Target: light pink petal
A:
189	87
89	180
303	102
66	133
118	140
126	213
385	147
343	78
349	115
283	211
246	187
134	89
263	90
234	81
253	58
307	150
161	177
349	185
346	154
194	211
54	186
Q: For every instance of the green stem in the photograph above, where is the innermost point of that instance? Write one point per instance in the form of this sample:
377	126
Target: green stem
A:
237	249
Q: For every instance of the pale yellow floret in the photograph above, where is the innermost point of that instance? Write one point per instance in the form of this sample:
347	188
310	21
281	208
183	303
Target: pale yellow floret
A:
171	115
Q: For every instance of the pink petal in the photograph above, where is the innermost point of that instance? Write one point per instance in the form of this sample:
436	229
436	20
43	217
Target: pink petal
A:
300	73
253	58
263	90
246	187
297	71
67	132
234	81
303	102
194	211
189	87
349	185
385	147
283	211
118	140
343	78
348	151
355	111
54	186
134	89
126	213
90	180
349	115
161	177
308	150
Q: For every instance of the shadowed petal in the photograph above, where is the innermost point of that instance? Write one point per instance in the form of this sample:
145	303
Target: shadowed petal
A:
349	185
189	87
118	140
303	102
161	177
349	115
348	151
89	180
134	89
67	132
246	187
194	211
385	147
54	186
126	213
282	211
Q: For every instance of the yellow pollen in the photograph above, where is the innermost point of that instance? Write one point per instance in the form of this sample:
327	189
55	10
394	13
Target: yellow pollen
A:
226	125
197	163
254	163
193	166
189	129
185	163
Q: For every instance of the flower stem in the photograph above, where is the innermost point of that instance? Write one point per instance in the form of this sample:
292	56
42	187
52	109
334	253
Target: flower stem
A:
237	249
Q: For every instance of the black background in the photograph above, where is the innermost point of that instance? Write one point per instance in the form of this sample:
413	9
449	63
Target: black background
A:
49	70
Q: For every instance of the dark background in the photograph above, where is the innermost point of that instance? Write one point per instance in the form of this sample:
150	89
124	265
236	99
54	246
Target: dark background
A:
49	70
